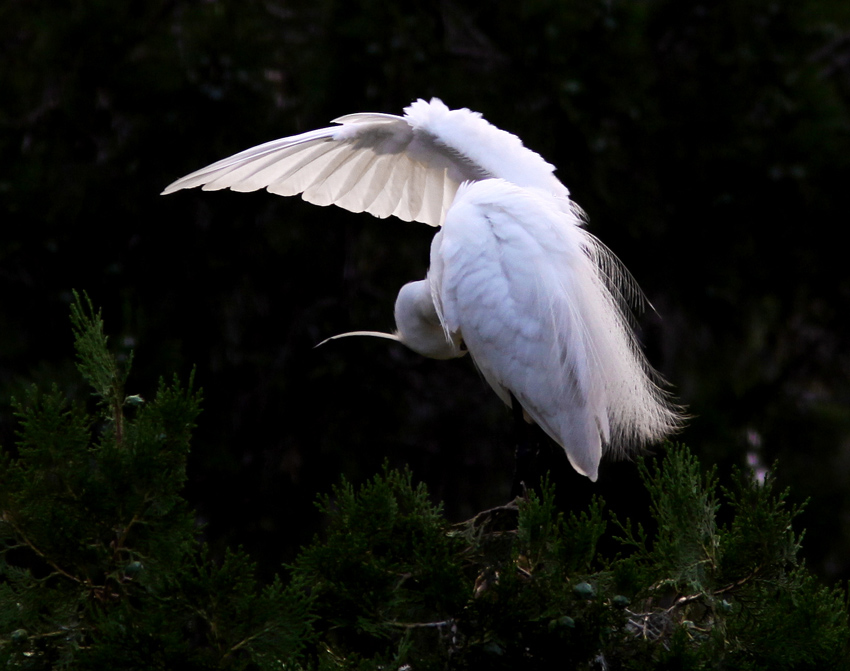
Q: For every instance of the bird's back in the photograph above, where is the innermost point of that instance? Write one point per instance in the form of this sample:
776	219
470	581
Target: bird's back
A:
515	274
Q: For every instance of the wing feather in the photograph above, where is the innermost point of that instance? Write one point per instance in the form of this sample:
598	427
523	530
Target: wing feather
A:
386	186
409	167
294	169
333	175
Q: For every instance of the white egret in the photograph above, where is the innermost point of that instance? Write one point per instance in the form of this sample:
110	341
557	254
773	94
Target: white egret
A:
537	301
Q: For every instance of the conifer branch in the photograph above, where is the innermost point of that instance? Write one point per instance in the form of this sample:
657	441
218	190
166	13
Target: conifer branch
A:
422	625
32	546
97	364
246	642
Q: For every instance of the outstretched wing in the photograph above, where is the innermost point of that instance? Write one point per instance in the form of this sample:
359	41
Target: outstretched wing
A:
521	282
409	167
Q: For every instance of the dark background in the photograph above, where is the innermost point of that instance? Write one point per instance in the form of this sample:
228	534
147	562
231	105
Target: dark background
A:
709	143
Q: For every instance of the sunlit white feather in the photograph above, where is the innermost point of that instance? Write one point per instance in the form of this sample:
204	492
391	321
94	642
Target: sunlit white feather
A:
409	167
518	279
539	303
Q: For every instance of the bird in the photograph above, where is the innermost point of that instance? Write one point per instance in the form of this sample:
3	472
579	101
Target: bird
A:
543	308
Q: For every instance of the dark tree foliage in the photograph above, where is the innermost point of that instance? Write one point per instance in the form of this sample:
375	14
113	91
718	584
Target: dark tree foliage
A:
525	586
100	567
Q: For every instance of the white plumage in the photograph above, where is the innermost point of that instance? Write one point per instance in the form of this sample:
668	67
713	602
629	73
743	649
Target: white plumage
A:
539	303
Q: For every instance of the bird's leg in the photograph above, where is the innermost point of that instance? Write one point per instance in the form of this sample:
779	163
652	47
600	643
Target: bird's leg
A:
525	450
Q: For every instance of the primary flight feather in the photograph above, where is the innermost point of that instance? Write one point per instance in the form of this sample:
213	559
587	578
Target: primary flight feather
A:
537	301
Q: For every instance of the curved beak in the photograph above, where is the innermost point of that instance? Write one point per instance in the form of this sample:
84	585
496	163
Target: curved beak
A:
374	334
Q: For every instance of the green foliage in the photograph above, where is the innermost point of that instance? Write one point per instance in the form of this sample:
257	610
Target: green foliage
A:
727	596
524	586
387	568
99	565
